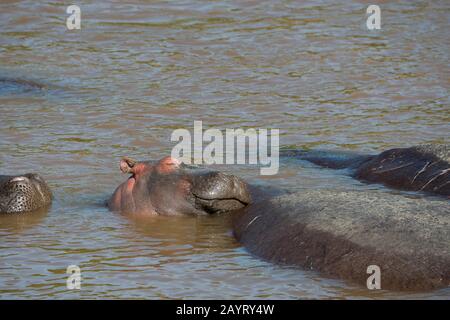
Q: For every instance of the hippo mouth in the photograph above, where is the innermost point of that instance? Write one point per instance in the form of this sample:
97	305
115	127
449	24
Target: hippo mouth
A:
219	205
215	192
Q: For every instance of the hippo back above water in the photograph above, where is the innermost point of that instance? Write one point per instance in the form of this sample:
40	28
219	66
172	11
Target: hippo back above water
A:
418	168
344	233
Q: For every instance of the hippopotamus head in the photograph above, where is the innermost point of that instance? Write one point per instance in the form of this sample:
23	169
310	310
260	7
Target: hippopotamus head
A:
23	193
168	187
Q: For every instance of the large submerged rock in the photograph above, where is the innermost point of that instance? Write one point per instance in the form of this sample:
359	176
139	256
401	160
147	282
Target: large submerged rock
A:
342	233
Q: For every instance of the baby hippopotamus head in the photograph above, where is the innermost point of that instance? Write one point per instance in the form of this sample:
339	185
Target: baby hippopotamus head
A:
23	193
167	187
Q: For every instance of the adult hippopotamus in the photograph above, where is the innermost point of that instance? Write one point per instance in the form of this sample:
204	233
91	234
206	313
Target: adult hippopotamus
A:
23	193
418	168
344	234
167	187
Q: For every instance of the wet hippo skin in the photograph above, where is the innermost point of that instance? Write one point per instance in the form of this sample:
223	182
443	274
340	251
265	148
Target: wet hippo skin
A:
418	168
166	187
23	193
342	233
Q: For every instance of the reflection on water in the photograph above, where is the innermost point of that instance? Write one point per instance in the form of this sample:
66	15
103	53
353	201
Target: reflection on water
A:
137	71
17	223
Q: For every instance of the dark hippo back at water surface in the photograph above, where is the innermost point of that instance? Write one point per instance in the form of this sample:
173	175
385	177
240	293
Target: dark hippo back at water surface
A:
343	233
423	168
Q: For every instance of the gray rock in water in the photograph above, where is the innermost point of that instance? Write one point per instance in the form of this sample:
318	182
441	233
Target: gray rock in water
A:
342	233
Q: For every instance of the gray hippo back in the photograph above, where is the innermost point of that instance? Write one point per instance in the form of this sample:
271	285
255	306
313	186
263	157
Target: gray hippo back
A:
418	168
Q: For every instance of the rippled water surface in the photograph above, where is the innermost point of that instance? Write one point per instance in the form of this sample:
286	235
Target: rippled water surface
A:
135	72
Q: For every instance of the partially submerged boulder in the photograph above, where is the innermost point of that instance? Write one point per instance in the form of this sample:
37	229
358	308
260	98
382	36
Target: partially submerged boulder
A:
342	233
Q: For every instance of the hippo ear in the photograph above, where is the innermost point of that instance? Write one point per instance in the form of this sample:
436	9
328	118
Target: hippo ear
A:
126	164
219	192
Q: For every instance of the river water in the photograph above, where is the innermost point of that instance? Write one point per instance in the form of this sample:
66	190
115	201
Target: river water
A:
135	72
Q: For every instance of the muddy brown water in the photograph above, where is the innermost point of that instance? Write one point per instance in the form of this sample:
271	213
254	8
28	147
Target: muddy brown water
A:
135	72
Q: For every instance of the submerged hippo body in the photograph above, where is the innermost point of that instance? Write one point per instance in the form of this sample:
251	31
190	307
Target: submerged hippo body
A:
166	188
23	193
343	233
419	168
20	86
